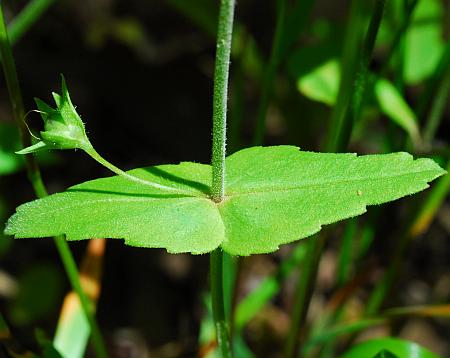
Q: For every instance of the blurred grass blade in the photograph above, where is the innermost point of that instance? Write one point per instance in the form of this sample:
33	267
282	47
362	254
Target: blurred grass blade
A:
395	107
26	18
423	311
431	205
349	59
72	332
332	333
267	289
398	347
438	106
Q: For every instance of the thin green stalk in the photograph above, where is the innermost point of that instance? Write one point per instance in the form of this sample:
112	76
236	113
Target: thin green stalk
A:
94	155
34	176
221	74
399	35
270	72
339	141
220	99
437	108
26	18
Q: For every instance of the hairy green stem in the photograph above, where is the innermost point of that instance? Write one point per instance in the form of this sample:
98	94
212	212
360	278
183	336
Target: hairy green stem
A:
34	176
269	74
221	72
97	157
26	18
218	308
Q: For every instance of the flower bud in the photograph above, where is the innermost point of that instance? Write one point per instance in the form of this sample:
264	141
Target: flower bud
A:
63	127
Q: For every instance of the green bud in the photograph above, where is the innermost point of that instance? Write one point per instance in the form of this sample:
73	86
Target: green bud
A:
63	127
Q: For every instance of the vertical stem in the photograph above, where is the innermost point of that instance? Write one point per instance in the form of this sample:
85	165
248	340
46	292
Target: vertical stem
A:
221	73
218	308
220	99
34	176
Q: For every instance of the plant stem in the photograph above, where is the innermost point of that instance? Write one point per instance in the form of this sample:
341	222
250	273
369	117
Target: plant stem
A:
220	99
35	178
269	74
26	18
97	157
221	73
220	322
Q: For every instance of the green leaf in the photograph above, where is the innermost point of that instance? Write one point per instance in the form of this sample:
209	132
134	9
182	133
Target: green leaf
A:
397	347
424	41
392	104
322	83
274	195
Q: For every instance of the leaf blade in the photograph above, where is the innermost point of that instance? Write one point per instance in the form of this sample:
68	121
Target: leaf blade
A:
277	195
117	208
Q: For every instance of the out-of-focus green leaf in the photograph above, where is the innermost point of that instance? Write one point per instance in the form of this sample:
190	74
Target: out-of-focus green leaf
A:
332	333
424	42
398	347
395	107
322	83
40	289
